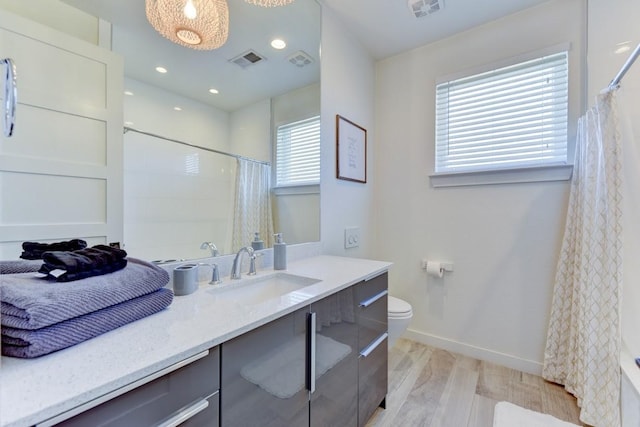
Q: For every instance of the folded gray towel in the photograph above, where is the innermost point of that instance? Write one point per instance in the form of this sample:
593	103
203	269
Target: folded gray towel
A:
32	303
20	266
28	344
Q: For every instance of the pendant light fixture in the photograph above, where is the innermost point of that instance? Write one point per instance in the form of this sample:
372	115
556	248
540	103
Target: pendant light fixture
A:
197	24
269	3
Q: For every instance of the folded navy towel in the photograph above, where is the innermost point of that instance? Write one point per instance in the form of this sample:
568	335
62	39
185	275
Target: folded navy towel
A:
33	343
34	250
83	263
28	302
19	266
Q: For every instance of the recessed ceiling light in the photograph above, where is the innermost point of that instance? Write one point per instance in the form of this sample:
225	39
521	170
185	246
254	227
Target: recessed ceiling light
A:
213	91
177	108
128	92
161	70
278	44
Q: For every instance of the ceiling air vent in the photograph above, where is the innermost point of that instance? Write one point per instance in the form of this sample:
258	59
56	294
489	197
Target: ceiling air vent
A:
300	58
422	8
250	57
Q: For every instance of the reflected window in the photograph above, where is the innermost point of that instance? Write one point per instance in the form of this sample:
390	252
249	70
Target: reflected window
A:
298	153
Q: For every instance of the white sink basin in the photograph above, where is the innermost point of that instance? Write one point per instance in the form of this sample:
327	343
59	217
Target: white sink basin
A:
257	289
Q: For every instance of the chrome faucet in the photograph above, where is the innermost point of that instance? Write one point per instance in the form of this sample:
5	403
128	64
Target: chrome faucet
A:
237	262
211	247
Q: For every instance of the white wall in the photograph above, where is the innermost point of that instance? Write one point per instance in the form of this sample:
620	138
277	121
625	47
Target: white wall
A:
503	239
347	89
296	212
250	130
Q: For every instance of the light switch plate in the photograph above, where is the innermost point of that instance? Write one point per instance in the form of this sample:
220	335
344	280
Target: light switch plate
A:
351	237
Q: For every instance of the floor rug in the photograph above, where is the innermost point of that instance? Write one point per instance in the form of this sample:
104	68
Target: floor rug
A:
509	415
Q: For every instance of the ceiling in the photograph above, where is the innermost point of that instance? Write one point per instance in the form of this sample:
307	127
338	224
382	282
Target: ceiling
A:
389	27
384	27
192	73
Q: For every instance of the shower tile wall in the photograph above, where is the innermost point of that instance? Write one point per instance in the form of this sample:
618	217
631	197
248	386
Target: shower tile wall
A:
176	197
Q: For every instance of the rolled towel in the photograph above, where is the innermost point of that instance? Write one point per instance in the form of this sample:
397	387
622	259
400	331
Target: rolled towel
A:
34	250
28	302
33	343
20	266
83	263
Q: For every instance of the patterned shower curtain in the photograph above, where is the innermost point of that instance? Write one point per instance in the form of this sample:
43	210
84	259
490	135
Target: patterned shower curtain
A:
583	340
253	204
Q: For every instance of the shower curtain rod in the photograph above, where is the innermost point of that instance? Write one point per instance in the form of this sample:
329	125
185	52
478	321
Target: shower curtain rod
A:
616	80
211	150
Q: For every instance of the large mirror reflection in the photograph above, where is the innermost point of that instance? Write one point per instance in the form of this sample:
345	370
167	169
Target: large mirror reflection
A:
224	143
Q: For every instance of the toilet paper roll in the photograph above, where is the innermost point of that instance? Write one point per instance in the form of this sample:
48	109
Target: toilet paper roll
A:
434	268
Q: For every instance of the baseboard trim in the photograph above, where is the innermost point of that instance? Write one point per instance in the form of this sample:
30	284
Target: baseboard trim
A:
510	361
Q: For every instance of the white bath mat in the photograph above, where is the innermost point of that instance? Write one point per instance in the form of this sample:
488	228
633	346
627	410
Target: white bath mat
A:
509	415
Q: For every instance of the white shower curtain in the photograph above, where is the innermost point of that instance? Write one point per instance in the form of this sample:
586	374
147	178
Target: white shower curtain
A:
252	205
583	340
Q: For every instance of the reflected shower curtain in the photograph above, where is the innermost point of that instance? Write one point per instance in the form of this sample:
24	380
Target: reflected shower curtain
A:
583	340
253	204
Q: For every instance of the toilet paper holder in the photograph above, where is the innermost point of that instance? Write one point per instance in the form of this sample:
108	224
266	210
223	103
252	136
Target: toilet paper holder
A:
442	265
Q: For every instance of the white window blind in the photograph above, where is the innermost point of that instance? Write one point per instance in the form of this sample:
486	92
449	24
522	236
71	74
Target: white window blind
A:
508	118
298	153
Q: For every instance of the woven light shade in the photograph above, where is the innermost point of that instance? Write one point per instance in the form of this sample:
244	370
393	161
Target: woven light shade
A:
198	24
269	3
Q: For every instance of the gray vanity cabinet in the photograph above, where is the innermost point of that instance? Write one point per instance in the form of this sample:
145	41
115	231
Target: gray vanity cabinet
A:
334	403
263	375
185	394
266	373
372	344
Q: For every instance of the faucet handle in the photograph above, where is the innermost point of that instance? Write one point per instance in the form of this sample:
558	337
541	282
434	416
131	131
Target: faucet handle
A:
215	273
252	263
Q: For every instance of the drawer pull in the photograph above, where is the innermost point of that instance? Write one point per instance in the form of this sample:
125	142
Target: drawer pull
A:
311	352
367	351
122	390
186	413
367	303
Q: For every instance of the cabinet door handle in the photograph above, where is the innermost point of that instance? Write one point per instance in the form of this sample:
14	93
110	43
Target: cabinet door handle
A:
367	303
311	352
10	96
186	413
367	351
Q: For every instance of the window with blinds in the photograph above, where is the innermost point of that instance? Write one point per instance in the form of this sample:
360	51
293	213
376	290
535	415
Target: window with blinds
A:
508	118
298	153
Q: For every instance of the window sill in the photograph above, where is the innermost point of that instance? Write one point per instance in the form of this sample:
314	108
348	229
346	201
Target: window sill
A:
296	190
505	176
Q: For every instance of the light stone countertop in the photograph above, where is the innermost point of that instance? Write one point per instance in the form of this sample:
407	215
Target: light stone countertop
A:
34	390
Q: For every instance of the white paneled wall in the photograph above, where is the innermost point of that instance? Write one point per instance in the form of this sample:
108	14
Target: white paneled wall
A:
61	173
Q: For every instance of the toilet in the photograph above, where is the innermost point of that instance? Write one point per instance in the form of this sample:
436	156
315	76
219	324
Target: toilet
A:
399	316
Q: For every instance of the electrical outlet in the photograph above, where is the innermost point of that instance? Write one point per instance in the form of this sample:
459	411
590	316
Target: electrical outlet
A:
351	237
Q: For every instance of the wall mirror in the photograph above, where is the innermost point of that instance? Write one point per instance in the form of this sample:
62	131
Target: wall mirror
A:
178	196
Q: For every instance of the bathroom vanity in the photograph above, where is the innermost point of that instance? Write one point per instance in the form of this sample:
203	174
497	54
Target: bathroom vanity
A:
313	356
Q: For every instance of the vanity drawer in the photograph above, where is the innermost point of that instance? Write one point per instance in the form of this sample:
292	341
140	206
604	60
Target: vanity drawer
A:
372	309
372	378
191	389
